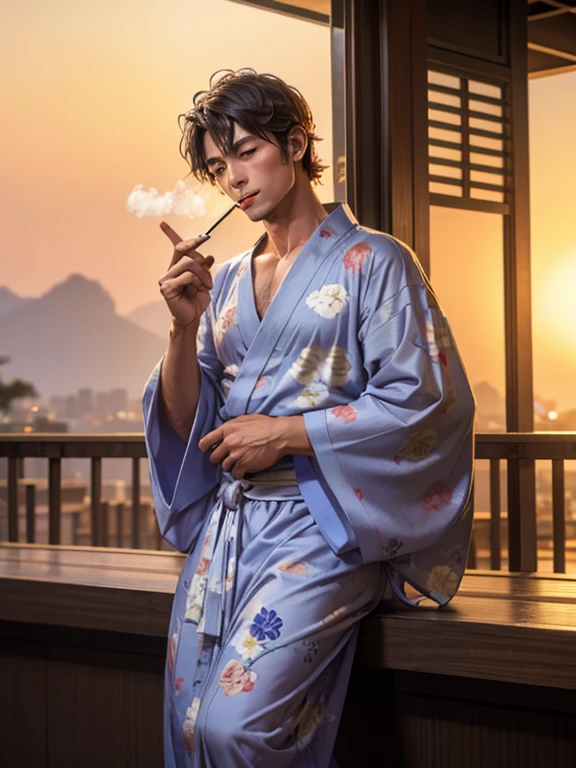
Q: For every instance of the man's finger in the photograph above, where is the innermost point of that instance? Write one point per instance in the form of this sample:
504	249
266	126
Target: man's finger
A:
238	471
209	439
219	454
169	232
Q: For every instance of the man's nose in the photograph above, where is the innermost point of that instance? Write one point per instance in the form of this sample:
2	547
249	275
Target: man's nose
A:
236	175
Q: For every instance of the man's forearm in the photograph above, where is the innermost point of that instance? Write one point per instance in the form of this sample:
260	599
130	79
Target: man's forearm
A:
180	379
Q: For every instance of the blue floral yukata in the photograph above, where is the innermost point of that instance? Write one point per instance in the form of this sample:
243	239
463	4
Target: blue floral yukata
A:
283	564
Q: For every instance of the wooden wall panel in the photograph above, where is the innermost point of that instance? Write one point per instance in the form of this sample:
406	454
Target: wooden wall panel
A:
22	704
412	722
104	709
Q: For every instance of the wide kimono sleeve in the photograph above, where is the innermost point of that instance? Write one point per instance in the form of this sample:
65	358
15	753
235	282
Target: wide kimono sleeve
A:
181	475
394	467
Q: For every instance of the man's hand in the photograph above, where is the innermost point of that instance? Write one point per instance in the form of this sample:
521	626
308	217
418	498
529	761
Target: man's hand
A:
246	444
187	284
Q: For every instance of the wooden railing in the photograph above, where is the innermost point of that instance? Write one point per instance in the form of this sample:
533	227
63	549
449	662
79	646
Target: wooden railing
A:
55	448
519	450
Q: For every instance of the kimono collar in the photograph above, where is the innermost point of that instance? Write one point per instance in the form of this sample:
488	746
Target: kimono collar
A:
339	221
261	336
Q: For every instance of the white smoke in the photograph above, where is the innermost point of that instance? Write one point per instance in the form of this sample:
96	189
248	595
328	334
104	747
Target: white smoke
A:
181	201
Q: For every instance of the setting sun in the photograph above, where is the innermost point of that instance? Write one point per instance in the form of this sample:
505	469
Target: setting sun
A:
553	305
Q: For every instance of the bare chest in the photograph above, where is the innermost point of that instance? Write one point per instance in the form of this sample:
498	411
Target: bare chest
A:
268	276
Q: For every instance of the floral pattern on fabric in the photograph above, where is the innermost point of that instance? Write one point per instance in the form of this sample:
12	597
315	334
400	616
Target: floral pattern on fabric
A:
345	412
311	648
310	723
236	679
255	638
189	725
201	336
436	497
444	580
456	554
355	257
334	616
229	581
388	309
171	655
318	365
225	321
229	377
418	446
329	301
451	399
197	587
266	625
312	395
394	545
438	339
299	568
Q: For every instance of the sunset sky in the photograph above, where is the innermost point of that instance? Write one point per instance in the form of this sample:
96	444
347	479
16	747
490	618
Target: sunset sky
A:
89	110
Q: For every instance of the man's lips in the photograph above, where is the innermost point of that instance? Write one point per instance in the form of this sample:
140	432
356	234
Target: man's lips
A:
247	201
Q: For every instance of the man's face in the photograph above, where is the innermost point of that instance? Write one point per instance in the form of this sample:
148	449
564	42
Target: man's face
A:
253	167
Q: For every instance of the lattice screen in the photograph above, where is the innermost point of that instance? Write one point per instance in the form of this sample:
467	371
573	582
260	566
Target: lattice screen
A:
469	141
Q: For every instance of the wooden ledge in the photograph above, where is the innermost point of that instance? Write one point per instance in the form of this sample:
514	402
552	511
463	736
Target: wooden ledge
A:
116	590
518	628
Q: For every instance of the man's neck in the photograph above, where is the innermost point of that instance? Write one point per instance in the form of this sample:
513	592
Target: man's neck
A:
294	221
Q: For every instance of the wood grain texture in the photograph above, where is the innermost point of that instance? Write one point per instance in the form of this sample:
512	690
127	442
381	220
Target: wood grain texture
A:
112	590
23	735
105	707
508	627
409	720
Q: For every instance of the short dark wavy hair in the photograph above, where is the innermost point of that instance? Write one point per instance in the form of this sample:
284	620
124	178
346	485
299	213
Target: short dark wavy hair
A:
262	104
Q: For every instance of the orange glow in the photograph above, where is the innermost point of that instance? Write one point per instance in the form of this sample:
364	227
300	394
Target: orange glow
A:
554	306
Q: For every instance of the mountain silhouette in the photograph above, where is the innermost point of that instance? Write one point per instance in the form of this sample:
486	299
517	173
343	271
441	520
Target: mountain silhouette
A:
71	337
153	317
9	301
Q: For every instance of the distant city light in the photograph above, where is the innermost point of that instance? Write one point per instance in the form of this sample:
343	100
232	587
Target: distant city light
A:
552	415
34	408
28	428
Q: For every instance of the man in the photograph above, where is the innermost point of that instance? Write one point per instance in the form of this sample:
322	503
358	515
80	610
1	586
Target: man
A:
310	436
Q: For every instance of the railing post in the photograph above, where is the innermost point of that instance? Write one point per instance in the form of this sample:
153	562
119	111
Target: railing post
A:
119	524
522	545
104	516
558	516
54	499
12	498
135	503
95	497
30	513
495	542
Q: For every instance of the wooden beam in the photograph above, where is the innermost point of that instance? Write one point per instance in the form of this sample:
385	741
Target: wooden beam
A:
553	71
518	312
386	130
551	51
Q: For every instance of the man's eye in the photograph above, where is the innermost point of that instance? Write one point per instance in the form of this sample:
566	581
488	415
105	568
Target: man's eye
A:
218	171
248	152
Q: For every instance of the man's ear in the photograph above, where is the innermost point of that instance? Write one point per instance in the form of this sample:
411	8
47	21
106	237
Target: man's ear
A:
297	143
